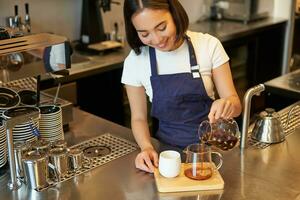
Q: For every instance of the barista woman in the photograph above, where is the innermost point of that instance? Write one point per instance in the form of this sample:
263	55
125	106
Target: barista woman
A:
178	70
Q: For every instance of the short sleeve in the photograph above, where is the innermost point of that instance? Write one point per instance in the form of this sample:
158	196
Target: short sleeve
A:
217	52
130	73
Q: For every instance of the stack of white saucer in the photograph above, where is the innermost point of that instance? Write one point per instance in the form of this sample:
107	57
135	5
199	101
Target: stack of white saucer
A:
23	132
50	124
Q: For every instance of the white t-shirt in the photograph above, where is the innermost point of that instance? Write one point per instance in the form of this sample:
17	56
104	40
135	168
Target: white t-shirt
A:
209	52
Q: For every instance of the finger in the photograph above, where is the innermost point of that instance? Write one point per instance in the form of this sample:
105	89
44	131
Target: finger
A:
226	109
230	115
149	164
140	164
155	159
219	111
144	167
230	110
212	113
211	116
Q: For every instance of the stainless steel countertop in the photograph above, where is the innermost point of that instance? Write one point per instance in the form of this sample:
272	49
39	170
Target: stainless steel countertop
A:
260	174
226	30
288	84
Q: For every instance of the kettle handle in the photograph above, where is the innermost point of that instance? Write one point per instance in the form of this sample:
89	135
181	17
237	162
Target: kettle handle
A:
290	114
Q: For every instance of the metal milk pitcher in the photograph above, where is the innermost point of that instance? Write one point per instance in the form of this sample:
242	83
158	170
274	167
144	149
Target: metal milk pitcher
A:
36	169
76	159
59	159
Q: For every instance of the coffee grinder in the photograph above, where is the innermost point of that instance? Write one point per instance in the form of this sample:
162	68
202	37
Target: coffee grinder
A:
92	30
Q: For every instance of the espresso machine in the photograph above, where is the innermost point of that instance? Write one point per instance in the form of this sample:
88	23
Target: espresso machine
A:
23	57
93	36
245	10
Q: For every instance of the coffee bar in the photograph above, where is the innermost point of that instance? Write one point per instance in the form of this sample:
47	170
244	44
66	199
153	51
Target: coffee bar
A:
65	128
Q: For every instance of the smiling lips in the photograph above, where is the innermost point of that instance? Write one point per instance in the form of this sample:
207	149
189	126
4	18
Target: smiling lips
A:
162	45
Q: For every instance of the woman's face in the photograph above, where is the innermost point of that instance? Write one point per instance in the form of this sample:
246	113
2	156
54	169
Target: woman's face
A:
156	28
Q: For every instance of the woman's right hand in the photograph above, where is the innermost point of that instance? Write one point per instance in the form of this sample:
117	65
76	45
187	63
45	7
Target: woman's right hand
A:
146	160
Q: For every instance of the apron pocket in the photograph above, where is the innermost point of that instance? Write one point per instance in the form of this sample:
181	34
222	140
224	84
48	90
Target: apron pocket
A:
182	109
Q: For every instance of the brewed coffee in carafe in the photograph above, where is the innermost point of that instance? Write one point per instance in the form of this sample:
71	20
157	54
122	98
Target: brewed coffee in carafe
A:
223	134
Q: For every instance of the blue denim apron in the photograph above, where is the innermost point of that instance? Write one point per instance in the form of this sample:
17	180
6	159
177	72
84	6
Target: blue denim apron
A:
180	102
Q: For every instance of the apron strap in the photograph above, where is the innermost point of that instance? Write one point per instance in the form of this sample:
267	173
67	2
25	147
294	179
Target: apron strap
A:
153	61
193	60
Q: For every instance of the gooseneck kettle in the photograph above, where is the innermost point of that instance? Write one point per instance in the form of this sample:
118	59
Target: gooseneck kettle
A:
268	127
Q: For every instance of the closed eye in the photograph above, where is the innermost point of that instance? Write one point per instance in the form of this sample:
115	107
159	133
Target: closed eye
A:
162	27
144	34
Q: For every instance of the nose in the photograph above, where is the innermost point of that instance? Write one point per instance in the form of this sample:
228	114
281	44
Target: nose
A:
156	39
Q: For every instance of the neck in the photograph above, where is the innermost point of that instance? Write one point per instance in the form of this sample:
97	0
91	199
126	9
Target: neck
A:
178	44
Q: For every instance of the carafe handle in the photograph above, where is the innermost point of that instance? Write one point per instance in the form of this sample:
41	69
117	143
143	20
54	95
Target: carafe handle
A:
185	150
220	159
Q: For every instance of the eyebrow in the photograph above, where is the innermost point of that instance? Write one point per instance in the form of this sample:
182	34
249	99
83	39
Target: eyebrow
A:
154	27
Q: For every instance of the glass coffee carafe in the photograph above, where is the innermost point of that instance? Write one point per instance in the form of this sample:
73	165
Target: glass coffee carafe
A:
199	164
223	134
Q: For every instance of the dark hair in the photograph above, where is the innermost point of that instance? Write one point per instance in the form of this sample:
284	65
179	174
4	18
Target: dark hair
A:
131	7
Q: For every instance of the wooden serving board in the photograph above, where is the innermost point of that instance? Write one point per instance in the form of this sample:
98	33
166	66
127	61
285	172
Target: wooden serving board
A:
182	183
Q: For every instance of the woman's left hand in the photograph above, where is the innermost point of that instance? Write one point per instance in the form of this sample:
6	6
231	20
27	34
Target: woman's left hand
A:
221	108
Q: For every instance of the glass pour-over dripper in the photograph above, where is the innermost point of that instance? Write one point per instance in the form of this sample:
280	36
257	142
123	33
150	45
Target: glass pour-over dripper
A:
224	134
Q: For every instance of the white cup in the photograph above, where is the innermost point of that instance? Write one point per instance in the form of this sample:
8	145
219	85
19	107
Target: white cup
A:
169	163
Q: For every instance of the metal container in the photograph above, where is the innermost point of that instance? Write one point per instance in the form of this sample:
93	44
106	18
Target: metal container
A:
59	144
42	146
36	169
19	151
75	159
59	158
